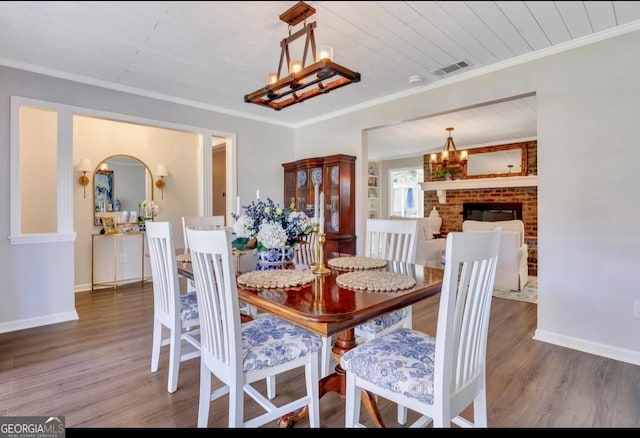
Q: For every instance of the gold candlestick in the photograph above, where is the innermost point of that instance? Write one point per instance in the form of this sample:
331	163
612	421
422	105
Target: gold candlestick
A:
321	269
318	300
315	264
238	254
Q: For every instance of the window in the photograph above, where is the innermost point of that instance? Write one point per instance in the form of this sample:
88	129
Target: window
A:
406	194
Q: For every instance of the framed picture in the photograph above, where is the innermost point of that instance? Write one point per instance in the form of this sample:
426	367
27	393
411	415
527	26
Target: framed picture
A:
109	224
104	190
128	228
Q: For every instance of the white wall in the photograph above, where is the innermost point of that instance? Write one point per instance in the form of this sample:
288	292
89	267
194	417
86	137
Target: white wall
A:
38	178
588	240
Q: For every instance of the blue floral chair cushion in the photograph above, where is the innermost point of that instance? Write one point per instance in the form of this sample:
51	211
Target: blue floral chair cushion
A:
269	341
400	361
382	322
188	306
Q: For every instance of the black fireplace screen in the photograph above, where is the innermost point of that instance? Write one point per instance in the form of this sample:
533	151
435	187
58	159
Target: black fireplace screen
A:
492	211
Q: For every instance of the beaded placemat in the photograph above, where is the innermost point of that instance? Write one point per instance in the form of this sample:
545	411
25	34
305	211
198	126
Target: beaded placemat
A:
375	281
357	262
275	279
183	258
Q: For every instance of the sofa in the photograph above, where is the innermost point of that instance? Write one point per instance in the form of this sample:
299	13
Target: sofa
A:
428	248
512	269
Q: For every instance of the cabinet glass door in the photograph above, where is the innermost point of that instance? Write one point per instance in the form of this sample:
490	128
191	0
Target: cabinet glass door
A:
334	177
332	200
302	189
289	188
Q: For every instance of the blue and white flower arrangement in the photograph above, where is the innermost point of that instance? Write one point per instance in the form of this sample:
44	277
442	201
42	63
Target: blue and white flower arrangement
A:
266	225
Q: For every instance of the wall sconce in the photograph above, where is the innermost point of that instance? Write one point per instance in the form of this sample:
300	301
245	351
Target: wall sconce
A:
84	167
161	172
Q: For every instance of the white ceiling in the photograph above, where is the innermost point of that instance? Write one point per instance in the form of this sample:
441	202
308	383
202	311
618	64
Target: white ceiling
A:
210	54
509	121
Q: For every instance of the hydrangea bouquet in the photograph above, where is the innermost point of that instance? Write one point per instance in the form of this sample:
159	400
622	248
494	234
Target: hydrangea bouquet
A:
267	225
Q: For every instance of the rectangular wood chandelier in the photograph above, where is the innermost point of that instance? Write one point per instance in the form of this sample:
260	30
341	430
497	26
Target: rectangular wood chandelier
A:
301	81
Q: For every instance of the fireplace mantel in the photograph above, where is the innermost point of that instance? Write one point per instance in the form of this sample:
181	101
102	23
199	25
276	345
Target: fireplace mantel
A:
478	183
482	183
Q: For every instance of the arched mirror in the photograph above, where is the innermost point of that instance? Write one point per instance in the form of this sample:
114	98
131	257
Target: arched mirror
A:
120	184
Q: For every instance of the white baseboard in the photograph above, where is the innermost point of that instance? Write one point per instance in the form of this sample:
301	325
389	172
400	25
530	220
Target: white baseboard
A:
82	287
22	324
621	354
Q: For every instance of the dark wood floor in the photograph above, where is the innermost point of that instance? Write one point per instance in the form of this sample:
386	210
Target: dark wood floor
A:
96	372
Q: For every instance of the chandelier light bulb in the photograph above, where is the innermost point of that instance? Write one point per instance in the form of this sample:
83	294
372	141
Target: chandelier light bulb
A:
325	52
295	66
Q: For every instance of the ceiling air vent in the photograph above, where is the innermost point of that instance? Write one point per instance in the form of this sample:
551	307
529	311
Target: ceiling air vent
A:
451	68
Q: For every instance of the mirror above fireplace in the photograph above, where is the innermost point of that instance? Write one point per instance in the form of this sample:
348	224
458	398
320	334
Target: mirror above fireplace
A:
497	161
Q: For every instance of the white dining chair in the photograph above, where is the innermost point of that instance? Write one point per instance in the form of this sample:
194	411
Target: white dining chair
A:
438	377
305	253
240	354
217	222
200	221
392	240
210	222
173	311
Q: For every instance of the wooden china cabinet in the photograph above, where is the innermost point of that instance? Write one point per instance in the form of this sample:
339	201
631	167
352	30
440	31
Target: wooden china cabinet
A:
335	175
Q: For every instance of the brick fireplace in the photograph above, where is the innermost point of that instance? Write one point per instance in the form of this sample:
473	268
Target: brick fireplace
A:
452	211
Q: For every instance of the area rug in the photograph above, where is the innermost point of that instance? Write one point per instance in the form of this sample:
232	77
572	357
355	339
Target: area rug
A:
529	292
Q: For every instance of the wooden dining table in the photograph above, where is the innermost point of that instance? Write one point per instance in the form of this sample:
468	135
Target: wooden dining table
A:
328	309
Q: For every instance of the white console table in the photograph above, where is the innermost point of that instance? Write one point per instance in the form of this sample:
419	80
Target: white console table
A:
117	259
